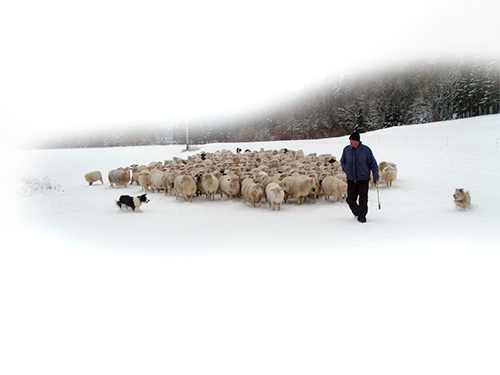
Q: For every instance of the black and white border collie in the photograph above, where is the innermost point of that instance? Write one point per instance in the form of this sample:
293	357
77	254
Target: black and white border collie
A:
132	202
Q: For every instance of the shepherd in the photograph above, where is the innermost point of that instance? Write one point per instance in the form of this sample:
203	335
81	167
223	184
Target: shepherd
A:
357	161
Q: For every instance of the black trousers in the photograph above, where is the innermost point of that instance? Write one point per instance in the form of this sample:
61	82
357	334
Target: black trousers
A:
357	197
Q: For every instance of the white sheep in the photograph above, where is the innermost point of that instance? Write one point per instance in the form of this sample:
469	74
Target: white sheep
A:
155	165
145	179
384	164
332	186
389	174
136	169
275	195
168	181
185	184
298	187
210	184
252	191
230	186
157	181
93	177
119	176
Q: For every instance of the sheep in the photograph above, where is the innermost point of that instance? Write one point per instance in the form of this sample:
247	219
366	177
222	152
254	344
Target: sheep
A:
136	169
341	176
389	174
119	176
383	164
333	186
93	177
185	184
299	187
264	166
269	179
199	188
145	179
157	181
155	165
315	192
275	195
135	176
210	184
168	181
229	185
252	191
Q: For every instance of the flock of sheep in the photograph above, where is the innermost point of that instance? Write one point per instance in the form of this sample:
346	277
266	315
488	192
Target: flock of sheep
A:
252	175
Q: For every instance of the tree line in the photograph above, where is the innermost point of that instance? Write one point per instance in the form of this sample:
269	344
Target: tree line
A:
333	107
129	136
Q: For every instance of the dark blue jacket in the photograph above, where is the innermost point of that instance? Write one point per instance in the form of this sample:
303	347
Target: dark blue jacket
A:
357	163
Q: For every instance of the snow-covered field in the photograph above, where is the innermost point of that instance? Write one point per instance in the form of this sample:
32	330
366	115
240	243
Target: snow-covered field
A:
223	287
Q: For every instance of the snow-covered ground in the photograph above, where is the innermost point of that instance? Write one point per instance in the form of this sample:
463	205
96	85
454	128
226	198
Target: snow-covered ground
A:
223	287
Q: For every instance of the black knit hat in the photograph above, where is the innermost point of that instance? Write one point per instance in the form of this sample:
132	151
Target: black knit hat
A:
355	137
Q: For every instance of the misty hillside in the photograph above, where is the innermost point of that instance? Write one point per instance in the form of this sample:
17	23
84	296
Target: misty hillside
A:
443	66
330	107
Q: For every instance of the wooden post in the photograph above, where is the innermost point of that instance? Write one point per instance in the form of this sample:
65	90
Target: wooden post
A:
187	134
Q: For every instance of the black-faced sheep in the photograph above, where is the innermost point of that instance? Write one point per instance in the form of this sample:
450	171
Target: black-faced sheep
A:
93	177
199	188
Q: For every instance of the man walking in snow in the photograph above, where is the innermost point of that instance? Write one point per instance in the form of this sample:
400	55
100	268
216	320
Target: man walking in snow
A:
357	161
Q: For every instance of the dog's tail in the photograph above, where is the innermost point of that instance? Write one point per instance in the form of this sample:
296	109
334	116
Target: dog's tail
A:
118	204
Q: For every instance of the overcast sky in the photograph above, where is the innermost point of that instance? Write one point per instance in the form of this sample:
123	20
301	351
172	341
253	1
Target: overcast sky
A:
73	65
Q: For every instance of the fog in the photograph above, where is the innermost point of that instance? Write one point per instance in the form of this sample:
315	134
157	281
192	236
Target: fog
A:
104	64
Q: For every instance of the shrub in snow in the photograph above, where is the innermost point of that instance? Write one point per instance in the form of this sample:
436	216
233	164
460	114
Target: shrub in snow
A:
13	181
